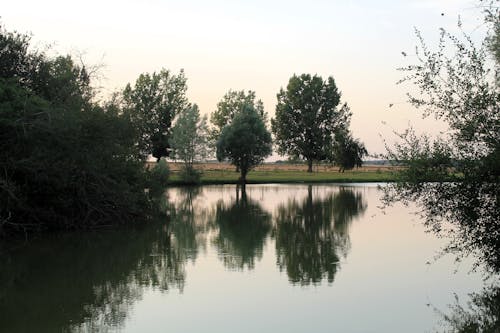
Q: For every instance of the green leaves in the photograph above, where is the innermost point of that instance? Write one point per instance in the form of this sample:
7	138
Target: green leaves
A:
307	117
231	104
66	162
245	142
347	152
151	105
189	139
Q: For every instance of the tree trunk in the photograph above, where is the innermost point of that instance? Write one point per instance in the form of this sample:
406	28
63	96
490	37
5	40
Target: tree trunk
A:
243	177
309	165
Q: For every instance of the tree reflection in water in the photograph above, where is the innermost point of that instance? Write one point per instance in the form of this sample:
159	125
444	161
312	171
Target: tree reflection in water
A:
242	230
89	282
311	236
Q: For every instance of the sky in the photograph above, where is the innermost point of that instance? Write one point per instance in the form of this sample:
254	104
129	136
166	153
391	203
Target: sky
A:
255	45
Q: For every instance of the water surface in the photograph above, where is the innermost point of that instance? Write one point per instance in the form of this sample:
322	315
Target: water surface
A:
272	258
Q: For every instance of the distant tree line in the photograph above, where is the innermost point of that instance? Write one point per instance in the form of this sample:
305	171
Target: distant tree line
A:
309	124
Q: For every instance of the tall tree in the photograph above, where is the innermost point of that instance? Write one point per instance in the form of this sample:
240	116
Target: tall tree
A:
245	142
307	116
151	105
231	104
189	137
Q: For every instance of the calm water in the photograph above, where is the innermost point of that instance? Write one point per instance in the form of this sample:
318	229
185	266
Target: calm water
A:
275	258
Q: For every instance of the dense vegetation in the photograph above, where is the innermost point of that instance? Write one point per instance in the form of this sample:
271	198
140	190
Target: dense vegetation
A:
52	175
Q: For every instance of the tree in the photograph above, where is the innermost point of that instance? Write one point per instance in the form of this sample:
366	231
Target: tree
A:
307	117
347	152
151	105
189	138
245	142
457	83
66	162
231	104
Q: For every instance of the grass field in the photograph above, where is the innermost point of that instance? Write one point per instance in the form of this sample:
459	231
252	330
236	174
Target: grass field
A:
221	173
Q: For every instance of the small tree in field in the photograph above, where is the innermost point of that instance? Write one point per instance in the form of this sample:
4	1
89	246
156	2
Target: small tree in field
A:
347	152
246	142
189	138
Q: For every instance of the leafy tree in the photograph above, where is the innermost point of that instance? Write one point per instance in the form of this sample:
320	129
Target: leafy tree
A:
307	116
245	142
57	80
53	177
189	138
458	84
16	62
231	104
151	105
63	83
347	152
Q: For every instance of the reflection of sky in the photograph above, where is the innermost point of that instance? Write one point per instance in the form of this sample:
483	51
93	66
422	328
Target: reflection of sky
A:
254	45
383	285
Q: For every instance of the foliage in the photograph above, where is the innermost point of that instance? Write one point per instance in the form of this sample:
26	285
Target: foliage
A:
151	105
52	175
158	177
190	176
482	313
493	39
307	117
189	140
347	152
245	142
231	104
456	84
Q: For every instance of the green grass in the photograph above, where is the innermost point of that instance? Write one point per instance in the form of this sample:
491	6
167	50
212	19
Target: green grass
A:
285	176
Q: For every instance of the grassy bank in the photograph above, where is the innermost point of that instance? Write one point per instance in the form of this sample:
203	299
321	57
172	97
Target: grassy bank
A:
227	176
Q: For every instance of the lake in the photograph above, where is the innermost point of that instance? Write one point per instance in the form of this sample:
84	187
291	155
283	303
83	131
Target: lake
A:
272	258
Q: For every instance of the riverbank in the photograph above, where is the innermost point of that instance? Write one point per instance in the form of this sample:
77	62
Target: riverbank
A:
286	173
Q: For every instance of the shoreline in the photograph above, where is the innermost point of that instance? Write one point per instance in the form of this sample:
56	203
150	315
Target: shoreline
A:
277	176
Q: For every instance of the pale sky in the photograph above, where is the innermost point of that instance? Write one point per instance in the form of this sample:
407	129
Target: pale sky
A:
255	45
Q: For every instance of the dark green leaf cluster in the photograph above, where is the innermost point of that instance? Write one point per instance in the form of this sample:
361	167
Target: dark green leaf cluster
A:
65	161
347	152
245	142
